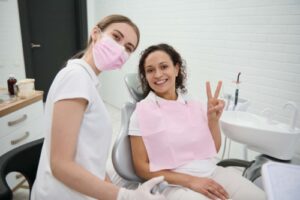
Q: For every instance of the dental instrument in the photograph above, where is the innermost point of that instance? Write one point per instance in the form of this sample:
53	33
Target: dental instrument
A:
228	97
237	91
236	97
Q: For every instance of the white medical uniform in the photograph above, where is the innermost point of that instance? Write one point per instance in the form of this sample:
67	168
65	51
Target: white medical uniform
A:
76	80
237	186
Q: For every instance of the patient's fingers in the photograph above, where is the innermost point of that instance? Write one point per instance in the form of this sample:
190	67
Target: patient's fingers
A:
221	193
208	90
218	190
218	107
217	92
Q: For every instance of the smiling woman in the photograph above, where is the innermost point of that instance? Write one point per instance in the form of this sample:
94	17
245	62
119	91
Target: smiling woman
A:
178	138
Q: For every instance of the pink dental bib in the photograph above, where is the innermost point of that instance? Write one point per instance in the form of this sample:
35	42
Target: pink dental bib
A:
174	133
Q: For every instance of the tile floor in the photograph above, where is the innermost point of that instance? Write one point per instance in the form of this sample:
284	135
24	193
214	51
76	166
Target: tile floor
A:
115	113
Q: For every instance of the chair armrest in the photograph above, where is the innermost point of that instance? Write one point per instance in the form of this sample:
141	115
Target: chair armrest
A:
235	163
5	191
23	159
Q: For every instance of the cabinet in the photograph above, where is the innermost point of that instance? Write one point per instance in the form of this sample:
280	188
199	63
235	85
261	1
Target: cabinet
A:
21	121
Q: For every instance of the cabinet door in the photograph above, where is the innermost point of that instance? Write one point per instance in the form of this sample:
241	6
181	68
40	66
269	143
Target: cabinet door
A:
17	130
31	131
19	118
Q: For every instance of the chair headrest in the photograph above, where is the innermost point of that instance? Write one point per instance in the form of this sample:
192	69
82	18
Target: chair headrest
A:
134	86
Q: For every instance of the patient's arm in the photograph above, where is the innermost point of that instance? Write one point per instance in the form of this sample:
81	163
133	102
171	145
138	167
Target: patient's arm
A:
141	164
206	186
214	128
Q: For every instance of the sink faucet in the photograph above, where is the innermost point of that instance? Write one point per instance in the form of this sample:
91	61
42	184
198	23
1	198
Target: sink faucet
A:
269	115
295	114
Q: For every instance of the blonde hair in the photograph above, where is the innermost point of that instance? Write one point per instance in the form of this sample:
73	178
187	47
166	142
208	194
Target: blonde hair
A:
104	23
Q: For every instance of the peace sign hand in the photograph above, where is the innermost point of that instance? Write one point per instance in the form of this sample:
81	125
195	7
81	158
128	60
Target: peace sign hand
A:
215	106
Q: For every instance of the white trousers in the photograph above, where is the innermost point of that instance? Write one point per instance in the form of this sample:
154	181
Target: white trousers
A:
238	187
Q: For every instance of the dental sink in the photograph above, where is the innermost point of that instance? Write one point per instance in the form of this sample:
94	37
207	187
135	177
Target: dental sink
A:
272	138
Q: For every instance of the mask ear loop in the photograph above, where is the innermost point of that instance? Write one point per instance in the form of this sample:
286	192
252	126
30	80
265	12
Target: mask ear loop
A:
99	31
100	34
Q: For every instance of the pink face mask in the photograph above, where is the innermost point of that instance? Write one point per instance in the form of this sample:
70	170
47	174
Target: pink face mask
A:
108	54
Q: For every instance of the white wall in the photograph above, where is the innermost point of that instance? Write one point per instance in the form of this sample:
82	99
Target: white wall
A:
91	14
218	39
11	50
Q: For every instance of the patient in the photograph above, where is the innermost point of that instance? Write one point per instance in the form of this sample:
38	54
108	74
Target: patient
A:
178	139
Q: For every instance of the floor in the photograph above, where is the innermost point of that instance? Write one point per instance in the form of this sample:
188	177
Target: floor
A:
115	113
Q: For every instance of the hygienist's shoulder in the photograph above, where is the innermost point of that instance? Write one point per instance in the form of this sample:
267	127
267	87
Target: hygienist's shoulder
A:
73	70
76	66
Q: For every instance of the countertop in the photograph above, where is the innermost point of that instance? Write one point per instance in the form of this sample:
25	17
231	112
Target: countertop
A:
11	104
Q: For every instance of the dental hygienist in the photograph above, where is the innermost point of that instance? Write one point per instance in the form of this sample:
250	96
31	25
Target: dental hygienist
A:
78	127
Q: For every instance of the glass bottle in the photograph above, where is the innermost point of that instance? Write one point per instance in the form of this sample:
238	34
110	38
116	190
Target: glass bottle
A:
11	81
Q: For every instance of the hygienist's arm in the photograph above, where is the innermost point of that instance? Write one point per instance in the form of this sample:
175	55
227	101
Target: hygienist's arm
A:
198	184
67	118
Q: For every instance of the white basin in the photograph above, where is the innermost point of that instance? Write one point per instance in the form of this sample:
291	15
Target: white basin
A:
274	139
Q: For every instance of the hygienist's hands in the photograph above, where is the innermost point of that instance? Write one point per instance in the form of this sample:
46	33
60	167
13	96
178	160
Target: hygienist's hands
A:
215	106
208	187
142	192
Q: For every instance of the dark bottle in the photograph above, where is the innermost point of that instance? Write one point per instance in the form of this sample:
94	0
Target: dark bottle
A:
11	81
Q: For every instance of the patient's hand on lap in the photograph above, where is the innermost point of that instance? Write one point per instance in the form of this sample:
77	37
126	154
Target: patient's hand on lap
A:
208	187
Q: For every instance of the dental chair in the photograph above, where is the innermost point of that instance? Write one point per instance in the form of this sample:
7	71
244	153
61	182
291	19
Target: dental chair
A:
121	153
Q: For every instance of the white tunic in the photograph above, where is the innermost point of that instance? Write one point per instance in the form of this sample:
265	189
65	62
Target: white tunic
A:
76	80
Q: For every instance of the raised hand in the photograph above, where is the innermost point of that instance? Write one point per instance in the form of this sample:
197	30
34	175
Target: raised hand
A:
215	106
208	187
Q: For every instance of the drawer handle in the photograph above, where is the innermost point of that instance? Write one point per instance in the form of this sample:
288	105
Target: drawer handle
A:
16	141
12	123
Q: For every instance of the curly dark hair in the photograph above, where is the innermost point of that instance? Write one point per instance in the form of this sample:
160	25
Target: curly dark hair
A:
176	59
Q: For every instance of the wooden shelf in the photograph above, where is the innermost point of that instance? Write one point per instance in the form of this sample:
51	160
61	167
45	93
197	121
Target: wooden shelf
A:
16	103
